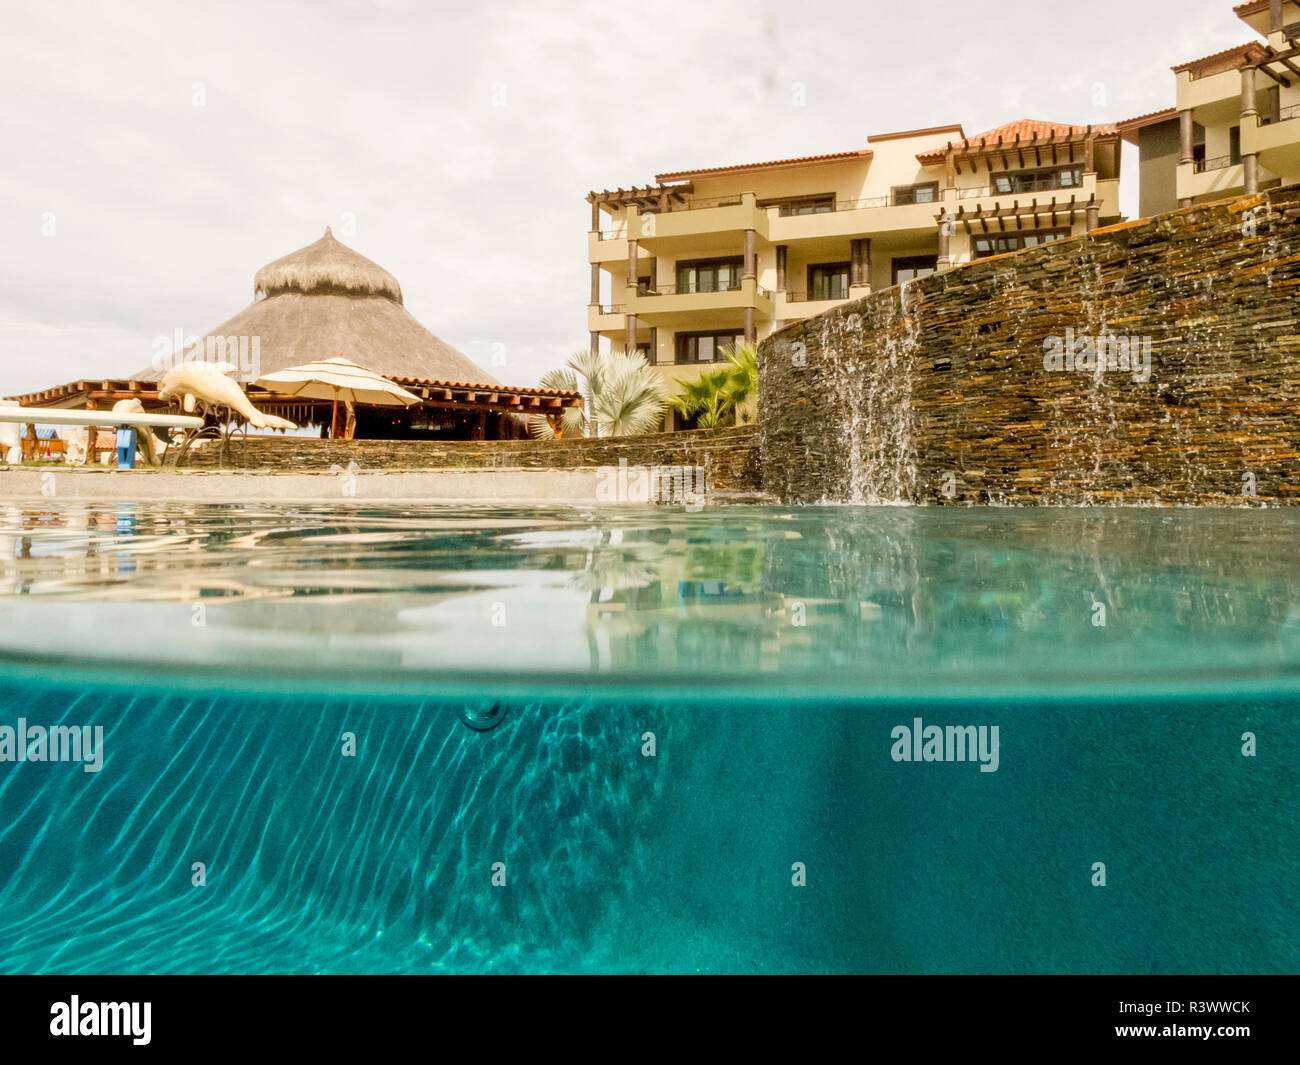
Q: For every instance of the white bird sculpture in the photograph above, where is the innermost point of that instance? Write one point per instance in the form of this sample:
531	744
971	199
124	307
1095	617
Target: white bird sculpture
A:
210	384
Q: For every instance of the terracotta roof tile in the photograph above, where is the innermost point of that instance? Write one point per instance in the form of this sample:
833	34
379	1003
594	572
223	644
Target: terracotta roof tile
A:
1025	129
1251	48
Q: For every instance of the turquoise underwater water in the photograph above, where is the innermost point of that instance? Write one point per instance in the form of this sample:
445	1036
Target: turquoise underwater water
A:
281	693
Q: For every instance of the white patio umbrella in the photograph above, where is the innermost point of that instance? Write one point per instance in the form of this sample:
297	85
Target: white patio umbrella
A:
337	379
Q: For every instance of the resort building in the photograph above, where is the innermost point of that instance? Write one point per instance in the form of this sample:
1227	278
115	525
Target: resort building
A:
1235	126
703	259
324	300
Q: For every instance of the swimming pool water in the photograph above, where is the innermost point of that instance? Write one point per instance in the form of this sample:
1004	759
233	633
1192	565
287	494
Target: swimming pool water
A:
300	736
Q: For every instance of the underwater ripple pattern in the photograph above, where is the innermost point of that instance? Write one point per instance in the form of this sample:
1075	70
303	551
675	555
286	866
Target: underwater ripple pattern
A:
317	862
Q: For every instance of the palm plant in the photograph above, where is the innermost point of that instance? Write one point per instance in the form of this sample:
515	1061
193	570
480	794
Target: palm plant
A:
715	398
568	421
621	396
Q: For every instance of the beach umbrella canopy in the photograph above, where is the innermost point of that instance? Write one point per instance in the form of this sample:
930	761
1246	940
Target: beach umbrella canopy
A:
337	379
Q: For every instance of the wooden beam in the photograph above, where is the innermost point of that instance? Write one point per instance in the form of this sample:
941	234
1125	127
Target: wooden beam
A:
1288	64
1276	77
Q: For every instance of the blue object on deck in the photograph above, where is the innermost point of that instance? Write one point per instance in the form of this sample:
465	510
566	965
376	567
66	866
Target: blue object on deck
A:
126	448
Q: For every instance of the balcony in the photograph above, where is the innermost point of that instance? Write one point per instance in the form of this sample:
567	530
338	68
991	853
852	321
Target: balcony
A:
985	196
793	305
852	218
1278	143
1210	178
1219	88
607	246
697	225
669	305
606	318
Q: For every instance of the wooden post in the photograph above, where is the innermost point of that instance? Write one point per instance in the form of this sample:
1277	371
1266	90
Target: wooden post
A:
749	325
595	217
1274	15
781	252
654	345
631	261
595	284
750	257
595	343
629	344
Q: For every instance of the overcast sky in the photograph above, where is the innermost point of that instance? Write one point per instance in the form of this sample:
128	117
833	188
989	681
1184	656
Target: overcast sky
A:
156	154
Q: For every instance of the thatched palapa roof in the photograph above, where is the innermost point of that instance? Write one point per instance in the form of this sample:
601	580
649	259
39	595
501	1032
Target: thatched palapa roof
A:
327	300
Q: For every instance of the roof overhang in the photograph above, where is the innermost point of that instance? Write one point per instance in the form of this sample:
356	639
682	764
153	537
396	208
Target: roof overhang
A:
775	164
1129	128
502	398
1221	62
909	133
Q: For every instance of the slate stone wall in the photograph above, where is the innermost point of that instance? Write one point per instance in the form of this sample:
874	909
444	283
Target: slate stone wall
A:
729	457
939	393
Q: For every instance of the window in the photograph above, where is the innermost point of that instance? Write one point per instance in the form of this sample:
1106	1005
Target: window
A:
1067	177
820	204
1234	145
710	275
828	281
985	244
910	267
927	192
705	347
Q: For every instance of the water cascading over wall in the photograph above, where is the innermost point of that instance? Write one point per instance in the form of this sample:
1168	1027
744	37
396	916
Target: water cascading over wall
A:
938	391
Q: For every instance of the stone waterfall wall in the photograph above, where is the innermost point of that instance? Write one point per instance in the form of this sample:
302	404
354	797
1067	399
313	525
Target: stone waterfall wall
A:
939	392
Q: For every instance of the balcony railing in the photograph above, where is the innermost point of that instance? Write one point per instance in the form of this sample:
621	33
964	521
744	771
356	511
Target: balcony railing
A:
611	308
682	290
1222	162
612	234
1282	115
792	296
837	205
703	204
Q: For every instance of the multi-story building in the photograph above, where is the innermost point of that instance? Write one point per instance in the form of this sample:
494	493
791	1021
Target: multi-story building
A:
1235	127
705	258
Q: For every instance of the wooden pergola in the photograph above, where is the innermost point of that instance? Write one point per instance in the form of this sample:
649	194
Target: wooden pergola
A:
1018	212
646	198
437	395
1031	151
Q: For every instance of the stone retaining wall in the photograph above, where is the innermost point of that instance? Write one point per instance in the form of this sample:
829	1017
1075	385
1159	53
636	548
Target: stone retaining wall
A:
729	457
940	392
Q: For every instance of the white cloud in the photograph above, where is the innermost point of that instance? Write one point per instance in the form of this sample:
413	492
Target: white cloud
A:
386	110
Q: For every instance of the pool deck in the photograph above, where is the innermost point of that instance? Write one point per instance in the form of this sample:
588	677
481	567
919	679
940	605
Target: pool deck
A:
502	485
